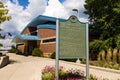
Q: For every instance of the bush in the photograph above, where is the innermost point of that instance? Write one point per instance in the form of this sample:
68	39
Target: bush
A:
75	73
13	50
48	73
1	45
92	77
53	55
116	66
37	52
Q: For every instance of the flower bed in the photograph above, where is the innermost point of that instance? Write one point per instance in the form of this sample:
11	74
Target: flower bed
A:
48	73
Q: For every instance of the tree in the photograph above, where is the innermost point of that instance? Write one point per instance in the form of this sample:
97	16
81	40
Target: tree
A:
3	13
105	15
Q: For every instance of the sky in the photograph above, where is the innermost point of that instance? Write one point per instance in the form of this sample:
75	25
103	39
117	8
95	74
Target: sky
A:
23	11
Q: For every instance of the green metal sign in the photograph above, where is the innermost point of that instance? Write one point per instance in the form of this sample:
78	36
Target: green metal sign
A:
72	39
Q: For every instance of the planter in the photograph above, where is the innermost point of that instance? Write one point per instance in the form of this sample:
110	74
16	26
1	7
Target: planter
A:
4	60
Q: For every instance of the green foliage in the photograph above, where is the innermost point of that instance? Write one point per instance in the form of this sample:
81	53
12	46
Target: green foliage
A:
37	52
13	50
48	73
95	46
105	64
53	55
92	77
1	45
2	37
83	61
117	40
104	15
116	66
3	13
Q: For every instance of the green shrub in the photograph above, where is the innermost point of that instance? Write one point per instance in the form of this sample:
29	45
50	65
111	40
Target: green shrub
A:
18	52
83	61
116	66
91	77
13	50
37	52
1	45
48	73
53	55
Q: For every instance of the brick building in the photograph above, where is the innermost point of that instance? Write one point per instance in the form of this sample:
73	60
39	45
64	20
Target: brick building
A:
39	33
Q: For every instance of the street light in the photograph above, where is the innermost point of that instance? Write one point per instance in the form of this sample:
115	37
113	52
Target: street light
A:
76	11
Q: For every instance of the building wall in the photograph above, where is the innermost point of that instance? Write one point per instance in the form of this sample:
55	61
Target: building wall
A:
21	48
48	47
44	33
26	31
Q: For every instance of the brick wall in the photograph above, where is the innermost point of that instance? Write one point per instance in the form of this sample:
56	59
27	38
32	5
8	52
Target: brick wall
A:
26	31
44	33
21	48
49	47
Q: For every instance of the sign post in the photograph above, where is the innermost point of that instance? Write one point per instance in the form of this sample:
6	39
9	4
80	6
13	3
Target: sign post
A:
71	41
57	50
87	51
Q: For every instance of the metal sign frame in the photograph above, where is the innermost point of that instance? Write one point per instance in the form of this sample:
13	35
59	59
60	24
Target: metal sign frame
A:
57	50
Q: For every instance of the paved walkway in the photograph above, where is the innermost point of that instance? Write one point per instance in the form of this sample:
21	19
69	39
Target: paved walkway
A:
29	68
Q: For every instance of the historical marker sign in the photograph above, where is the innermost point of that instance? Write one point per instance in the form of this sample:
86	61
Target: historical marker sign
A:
72	38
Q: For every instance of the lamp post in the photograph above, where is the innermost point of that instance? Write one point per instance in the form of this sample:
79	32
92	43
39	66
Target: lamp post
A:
76	11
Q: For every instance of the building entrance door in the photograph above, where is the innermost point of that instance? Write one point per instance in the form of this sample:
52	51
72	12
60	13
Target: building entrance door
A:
31	46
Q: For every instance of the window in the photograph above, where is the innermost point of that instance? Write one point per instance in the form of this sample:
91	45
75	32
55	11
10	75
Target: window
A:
49	40
20	44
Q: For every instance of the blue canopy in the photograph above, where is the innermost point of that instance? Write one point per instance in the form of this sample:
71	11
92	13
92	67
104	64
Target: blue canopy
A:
46	26
28	37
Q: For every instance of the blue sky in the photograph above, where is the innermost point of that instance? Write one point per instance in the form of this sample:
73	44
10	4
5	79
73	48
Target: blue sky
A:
25	3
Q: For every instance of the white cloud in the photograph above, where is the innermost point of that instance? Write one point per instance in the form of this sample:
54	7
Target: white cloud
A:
36	7
4	1
56	9
76	4
21	17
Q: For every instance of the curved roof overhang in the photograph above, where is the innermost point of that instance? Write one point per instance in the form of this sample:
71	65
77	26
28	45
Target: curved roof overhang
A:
51	26
41	20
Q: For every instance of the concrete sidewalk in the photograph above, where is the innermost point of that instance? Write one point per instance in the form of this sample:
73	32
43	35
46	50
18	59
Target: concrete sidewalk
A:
29	68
